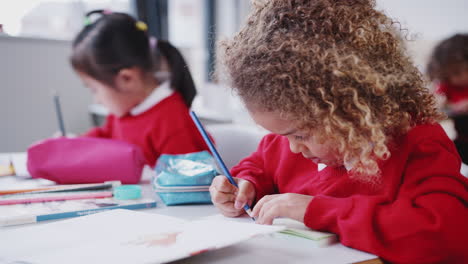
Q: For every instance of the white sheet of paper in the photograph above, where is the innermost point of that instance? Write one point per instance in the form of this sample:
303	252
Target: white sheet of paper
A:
283	248
122	236
290	224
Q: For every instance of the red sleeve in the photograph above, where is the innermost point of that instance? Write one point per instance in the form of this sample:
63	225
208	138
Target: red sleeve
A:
425	223
252	169
442	89
102	132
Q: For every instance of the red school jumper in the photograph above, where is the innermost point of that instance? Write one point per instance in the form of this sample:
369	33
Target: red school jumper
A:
418	214
165	128
457	94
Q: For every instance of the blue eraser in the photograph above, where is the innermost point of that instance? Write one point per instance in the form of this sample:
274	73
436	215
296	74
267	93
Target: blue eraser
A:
127	192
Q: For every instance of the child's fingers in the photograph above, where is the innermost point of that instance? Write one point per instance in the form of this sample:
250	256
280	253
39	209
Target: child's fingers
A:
270	210
222	184
245	195
289	205
229	199
228	209
221	197
220	192
224	201
260	204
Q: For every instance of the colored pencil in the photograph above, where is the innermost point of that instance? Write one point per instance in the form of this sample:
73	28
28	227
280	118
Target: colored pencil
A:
217	157
50	197
58	111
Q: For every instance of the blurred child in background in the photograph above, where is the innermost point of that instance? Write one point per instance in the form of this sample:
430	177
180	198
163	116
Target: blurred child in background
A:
448	66
145	83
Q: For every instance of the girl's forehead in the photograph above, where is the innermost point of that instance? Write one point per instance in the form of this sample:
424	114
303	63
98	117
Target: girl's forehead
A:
274	122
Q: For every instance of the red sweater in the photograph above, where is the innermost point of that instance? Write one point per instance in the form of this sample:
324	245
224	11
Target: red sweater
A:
166	128
418	215
453	93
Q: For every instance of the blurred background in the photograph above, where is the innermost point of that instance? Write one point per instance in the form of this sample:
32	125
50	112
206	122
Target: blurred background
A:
35	38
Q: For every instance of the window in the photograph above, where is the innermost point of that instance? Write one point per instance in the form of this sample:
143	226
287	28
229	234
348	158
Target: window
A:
193	28
56	19
192	24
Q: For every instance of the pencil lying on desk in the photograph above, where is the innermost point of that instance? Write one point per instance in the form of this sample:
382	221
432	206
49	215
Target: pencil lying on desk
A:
52	197
218	158
62	188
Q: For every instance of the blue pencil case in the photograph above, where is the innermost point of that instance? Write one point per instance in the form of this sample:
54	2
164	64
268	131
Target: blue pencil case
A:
184	179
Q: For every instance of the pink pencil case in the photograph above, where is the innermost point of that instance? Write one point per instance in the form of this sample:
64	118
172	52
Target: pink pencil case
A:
85	160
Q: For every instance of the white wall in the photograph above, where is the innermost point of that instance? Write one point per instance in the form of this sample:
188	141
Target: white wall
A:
30	69
430	19
428	22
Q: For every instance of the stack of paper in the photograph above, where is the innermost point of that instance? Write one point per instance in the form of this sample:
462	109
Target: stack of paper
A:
24	201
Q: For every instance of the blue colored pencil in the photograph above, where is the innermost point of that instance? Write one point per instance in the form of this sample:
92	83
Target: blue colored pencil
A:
218	158
58	110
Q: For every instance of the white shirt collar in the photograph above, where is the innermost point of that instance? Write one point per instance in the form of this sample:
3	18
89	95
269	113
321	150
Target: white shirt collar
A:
157	95
321	166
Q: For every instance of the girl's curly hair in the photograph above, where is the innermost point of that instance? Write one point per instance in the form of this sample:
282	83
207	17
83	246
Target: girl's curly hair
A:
337	68
449	57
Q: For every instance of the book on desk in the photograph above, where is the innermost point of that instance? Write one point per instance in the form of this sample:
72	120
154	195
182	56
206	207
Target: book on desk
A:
18	214
40	200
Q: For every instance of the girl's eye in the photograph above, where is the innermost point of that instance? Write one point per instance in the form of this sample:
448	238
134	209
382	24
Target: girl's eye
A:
299	138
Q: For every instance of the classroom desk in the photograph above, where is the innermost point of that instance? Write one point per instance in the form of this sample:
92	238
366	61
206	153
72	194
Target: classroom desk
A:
278	248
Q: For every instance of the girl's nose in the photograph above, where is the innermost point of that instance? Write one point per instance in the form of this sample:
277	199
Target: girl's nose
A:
295	147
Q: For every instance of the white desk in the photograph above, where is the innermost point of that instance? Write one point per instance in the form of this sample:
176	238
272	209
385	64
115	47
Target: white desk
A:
278	248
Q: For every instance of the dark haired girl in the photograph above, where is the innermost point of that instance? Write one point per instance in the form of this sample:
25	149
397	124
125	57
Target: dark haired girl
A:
145	83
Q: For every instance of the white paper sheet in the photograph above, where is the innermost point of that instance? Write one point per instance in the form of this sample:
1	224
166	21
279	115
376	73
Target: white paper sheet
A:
122	236
293	228
281	248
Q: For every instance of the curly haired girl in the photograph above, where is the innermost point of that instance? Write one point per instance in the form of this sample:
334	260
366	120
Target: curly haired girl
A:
332	82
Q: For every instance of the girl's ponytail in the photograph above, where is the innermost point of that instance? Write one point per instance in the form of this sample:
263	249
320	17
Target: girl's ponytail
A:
181	79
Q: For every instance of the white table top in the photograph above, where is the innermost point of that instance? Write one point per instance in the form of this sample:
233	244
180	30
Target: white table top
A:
277	248
271	249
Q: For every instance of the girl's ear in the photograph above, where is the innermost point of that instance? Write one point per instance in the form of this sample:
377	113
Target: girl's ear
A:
128	79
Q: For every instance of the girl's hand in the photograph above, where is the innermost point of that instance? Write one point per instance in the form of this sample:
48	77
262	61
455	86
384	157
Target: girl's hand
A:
290	205
229	199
